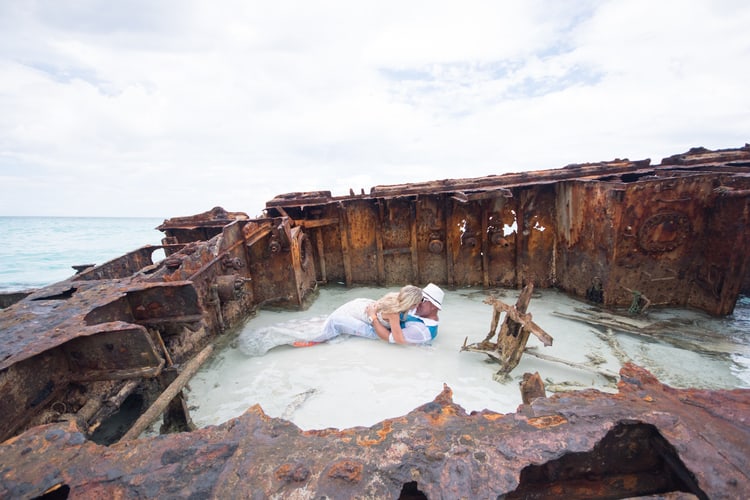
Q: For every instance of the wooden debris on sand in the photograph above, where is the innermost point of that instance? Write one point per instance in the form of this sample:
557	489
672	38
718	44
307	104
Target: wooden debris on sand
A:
683	334
532	387
513	335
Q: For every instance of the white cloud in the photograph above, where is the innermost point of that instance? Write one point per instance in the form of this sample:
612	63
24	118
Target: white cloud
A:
171	108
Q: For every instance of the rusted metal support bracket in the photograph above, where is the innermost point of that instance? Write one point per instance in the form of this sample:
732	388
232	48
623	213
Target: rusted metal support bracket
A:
159	338
485	245
219	257
313	223
450	242
520	268
413	213
318	225
345	238
321	255
258	234
380	214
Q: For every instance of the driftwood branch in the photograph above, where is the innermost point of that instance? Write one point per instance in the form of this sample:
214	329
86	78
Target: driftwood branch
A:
513	335
611	376
168	395
524	319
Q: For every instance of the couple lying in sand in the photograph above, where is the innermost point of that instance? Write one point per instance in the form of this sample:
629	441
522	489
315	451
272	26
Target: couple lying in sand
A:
409	316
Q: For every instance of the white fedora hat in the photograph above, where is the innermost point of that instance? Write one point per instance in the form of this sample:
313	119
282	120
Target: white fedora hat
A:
434	294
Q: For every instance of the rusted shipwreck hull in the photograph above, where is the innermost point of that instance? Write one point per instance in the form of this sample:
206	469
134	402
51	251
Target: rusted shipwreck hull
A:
114	336
646	440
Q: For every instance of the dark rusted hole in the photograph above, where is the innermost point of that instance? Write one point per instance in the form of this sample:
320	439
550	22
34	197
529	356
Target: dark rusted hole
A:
43	394
410	491
631	460
59	493
632	177
118	424
60	296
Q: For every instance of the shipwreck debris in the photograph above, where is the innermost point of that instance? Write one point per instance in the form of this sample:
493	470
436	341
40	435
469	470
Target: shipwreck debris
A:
681	334
513	334
532	387
168	395
76	352
648	439
610	376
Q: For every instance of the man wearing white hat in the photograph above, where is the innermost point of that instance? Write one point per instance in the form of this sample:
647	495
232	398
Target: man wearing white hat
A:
419	325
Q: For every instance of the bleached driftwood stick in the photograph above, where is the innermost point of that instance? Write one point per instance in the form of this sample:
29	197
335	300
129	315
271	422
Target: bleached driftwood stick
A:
611	376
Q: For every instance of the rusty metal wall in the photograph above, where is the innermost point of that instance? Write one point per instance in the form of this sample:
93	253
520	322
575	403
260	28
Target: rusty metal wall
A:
608	233
586	220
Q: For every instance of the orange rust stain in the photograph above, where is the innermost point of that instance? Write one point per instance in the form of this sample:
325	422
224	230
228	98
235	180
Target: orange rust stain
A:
291	473
493	416
332	433
445	413
547	421
386	429
283	471
648	399
467	438
346	470
257	410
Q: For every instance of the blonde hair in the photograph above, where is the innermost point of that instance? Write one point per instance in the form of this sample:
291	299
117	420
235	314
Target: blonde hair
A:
397	302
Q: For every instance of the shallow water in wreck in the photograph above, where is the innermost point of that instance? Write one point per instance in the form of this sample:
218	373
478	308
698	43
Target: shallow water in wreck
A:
358	382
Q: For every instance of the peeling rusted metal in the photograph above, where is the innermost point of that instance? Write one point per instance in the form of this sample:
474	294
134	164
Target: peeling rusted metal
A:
676	232
648	439
79	350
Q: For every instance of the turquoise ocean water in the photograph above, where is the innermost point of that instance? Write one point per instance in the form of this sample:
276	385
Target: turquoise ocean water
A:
38	251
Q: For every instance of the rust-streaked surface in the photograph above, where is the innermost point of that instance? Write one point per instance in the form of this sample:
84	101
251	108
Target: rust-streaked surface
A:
77	343
115	335
647	439
675	232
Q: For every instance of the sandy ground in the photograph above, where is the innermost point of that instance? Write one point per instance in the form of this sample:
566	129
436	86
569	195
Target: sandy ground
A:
358	382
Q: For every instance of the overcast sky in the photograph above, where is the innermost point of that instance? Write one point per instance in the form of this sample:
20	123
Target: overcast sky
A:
169	108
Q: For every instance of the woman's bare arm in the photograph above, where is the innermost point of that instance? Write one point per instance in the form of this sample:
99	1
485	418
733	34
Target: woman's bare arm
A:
398	334
383	332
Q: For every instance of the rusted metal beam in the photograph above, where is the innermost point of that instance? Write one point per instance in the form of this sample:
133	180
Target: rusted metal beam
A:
380	215
521	248
345	242
450	242
485	245
413	213
321	255
314	223
157	408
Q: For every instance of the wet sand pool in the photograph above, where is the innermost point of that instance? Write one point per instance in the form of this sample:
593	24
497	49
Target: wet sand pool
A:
358	382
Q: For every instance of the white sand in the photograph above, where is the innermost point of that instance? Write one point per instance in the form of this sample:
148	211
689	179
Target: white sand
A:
359	382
